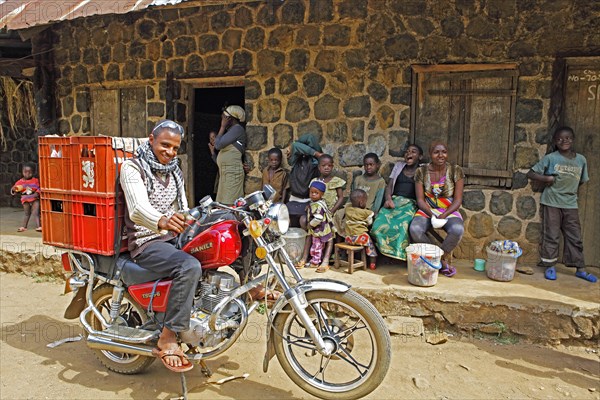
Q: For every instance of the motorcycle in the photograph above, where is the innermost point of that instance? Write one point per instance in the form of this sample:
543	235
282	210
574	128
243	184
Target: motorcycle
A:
329	340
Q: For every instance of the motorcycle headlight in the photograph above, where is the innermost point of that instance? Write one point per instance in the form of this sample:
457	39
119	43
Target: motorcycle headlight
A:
280	218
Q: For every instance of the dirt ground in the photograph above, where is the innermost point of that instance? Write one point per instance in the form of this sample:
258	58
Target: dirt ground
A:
31	316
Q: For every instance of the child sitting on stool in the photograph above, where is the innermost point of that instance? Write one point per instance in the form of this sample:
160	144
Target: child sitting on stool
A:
320	230
358	219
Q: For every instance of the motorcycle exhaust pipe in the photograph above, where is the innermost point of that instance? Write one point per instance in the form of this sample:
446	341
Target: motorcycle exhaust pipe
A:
98	343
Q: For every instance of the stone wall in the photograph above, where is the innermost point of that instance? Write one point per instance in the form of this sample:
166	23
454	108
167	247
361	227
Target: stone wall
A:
18	146
18	149
340	69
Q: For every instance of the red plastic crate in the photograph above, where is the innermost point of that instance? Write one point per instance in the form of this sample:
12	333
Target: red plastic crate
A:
56	214
95	164
55	162
94	223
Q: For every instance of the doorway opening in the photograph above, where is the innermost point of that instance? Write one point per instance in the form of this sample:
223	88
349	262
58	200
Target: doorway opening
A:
208	103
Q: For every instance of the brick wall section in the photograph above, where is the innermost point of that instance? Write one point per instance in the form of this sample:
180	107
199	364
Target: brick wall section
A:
340	69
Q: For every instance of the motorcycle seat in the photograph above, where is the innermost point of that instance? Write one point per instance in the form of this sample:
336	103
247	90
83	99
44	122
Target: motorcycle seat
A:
132	274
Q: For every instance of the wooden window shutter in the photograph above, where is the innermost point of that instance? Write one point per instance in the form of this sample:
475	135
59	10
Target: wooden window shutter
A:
472	108
119	112
105	106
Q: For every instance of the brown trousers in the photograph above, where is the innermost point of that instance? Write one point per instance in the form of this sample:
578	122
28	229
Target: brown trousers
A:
554	221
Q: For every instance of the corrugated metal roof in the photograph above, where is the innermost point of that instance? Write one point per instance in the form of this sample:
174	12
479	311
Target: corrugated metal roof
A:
25	14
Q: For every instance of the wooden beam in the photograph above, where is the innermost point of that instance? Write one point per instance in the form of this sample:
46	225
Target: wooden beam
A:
462	67
496	173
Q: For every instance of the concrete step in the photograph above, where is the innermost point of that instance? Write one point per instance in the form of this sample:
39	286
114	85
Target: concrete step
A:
528	308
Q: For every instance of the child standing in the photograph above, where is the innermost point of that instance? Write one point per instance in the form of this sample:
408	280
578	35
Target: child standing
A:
334	193
29	188
320	230
275	175
358	219
563	171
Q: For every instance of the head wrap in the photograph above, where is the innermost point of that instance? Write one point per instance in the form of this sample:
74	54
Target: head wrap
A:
319	185
236	112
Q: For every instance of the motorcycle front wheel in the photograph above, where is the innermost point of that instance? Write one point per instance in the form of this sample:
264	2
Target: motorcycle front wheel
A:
131	315
361	342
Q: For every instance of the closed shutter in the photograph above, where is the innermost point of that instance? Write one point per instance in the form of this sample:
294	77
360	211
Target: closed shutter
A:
472	109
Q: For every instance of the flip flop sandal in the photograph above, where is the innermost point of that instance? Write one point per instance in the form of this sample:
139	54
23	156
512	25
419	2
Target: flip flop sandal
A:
21	229
323	268
38	229
525	270
314	265
270	296
162	354
448	270
587	276
300	265
550	273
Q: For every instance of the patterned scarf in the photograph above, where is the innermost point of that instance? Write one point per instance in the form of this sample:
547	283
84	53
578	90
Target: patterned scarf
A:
151	165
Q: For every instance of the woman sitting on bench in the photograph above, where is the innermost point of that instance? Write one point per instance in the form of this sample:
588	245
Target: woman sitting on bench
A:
439	191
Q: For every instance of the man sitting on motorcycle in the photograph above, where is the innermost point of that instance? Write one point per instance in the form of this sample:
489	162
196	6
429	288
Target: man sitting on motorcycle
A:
155	197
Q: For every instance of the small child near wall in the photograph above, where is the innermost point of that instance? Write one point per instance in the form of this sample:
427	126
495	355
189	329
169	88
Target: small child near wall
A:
29	189
358	220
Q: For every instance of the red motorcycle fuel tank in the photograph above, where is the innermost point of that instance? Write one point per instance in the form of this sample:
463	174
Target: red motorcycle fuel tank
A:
143	292
217	246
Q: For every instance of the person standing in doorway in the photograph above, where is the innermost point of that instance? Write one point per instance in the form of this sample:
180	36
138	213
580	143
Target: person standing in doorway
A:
231	143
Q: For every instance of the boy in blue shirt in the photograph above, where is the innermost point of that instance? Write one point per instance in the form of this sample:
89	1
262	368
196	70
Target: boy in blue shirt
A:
563	171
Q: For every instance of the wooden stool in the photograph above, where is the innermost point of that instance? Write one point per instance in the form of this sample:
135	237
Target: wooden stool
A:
351	264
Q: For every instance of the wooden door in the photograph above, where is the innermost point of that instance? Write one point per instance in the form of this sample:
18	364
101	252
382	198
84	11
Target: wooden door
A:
581	112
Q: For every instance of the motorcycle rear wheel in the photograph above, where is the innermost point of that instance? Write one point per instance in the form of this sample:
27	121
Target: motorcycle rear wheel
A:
130	314
362	352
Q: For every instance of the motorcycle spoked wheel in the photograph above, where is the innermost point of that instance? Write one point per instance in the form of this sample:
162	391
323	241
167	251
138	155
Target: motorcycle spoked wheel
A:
361	340
130	314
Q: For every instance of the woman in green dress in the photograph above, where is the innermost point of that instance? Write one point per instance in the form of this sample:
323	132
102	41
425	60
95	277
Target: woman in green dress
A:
390	229
231	144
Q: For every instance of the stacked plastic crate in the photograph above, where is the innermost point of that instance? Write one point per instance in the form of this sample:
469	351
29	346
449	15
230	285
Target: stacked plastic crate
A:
81	206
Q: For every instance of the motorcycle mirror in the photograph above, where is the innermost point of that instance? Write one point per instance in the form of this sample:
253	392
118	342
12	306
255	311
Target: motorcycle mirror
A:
205	202
269	192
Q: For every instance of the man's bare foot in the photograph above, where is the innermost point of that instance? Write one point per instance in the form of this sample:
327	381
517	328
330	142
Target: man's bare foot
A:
168	341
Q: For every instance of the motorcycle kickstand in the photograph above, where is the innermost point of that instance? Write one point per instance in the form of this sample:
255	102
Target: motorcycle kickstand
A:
204	369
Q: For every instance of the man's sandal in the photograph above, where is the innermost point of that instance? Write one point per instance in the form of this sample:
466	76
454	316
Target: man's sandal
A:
162	354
